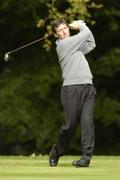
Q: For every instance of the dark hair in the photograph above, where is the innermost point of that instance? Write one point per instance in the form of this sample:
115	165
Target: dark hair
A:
56	23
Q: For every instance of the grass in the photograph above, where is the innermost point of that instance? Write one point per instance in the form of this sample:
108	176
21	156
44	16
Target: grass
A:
37	168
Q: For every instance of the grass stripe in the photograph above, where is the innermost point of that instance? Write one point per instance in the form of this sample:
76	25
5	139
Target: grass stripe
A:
20	167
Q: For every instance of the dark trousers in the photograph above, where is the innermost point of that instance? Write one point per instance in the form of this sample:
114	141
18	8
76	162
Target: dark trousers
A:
78	104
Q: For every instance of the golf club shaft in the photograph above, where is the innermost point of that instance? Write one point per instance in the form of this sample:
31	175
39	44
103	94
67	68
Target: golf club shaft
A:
26	45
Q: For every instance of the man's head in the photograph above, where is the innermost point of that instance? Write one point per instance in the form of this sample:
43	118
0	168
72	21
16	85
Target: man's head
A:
60	29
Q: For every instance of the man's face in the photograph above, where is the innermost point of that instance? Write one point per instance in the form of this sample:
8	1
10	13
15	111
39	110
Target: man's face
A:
62	31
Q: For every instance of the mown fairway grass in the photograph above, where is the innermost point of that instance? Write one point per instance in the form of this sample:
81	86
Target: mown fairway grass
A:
34	168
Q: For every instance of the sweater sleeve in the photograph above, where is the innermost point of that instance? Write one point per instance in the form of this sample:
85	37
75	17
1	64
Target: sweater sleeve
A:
88	45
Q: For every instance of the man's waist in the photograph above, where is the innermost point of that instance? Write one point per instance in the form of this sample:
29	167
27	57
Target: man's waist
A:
77	80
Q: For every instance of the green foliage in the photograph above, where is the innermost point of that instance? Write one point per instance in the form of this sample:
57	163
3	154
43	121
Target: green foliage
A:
28	105
108	65
107	110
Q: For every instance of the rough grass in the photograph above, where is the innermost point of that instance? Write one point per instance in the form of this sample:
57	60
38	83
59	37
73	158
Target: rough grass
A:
37	167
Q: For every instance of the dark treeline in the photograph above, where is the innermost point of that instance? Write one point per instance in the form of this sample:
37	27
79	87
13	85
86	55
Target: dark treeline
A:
30	83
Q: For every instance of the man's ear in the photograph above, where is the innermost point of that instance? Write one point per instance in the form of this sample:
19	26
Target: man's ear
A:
55	35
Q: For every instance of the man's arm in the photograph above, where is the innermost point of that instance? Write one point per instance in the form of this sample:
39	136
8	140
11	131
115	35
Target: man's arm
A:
89	44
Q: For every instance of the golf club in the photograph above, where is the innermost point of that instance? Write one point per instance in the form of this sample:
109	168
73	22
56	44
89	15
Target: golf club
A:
7	55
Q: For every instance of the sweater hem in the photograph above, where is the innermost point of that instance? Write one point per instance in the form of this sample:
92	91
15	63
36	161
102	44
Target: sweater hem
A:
72	81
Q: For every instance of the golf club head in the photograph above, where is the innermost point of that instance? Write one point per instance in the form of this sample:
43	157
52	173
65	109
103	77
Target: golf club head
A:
6	57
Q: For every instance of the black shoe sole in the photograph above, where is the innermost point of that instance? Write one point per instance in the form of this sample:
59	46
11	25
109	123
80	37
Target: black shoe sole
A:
53	162
78	164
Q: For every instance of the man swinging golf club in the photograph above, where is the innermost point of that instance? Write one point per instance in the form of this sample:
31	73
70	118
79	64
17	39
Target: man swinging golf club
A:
77	93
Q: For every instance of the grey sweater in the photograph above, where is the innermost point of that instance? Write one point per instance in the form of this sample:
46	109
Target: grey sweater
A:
71	53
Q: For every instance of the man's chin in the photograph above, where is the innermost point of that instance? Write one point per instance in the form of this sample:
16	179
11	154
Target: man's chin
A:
65	37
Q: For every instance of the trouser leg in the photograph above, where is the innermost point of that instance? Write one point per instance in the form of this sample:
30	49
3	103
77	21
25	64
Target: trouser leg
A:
87	125
71	118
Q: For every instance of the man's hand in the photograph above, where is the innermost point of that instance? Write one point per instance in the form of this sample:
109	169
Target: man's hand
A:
76	24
